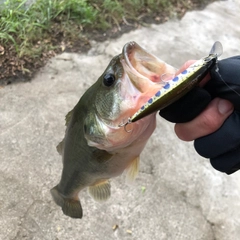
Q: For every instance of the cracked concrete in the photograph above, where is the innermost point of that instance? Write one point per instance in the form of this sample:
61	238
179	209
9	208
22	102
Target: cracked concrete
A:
183	197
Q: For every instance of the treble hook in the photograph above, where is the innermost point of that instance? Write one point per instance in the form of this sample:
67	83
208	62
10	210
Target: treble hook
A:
125	125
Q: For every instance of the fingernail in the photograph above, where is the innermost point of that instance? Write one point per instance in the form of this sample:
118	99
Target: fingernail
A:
224	106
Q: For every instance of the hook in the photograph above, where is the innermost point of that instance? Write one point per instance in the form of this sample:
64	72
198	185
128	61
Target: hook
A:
125	125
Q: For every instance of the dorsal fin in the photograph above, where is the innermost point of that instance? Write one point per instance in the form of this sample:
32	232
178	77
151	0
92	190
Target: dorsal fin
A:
132	170
101	191
60	146
68	117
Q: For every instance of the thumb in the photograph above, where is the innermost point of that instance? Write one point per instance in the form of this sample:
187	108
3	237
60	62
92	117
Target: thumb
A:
207	122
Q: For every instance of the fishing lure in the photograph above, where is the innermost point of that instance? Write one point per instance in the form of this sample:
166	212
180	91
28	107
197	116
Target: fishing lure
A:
179	85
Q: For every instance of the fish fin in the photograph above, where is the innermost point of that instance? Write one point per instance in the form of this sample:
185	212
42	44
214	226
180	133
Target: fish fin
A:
70	207
132	170
60	147
68	117
100	192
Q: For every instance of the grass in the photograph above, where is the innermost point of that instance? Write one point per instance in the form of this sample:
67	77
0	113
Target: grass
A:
25	27
31	34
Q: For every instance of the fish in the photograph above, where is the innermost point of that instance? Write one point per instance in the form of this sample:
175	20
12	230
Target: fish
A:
95	147
99	144
179	85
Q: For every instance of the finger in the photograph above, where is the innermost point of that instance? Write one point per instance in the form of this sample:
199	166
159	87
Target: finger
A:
224	140
205	80
207	122
188	107
225	81
228	162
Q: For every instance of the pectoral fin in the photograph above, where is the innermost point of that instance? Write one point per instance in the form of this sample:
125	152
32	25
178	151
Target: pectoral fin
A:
132	170
100	191
60	147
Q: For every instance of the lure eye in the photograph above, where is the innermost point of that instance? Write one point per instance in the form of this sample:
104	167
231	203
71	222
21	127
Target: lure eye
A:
108	79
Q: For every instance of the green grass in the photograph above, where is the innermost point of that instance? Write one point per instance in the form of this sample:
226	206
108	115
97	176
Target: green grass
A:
24	27
36	32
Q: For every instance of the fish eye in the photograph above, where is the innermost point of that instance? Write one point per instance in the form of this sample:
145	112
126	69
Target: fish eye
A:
108	79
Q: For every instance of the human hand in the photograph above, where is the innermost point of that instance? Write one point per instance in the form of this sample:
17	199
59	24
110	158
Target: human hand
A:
213	122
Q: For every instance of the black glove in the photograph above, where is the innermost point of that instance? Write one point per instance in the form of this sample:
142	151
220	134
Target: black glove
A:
222	146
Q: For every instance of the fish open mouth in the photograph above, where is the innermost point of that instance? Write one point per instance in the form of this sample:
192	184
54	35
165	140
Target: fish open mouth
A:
143	68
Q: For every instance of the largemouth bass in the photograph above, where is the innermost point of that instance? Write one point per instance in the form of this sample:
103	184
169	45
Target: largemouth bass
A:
95	148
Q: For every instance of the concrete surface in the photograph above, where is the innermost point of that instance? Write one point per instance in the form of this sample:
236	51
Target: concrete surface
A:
184	197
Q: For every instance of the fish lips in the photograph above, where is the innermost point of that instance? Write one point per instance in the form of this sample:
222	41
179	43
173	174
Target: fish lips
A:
144	69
